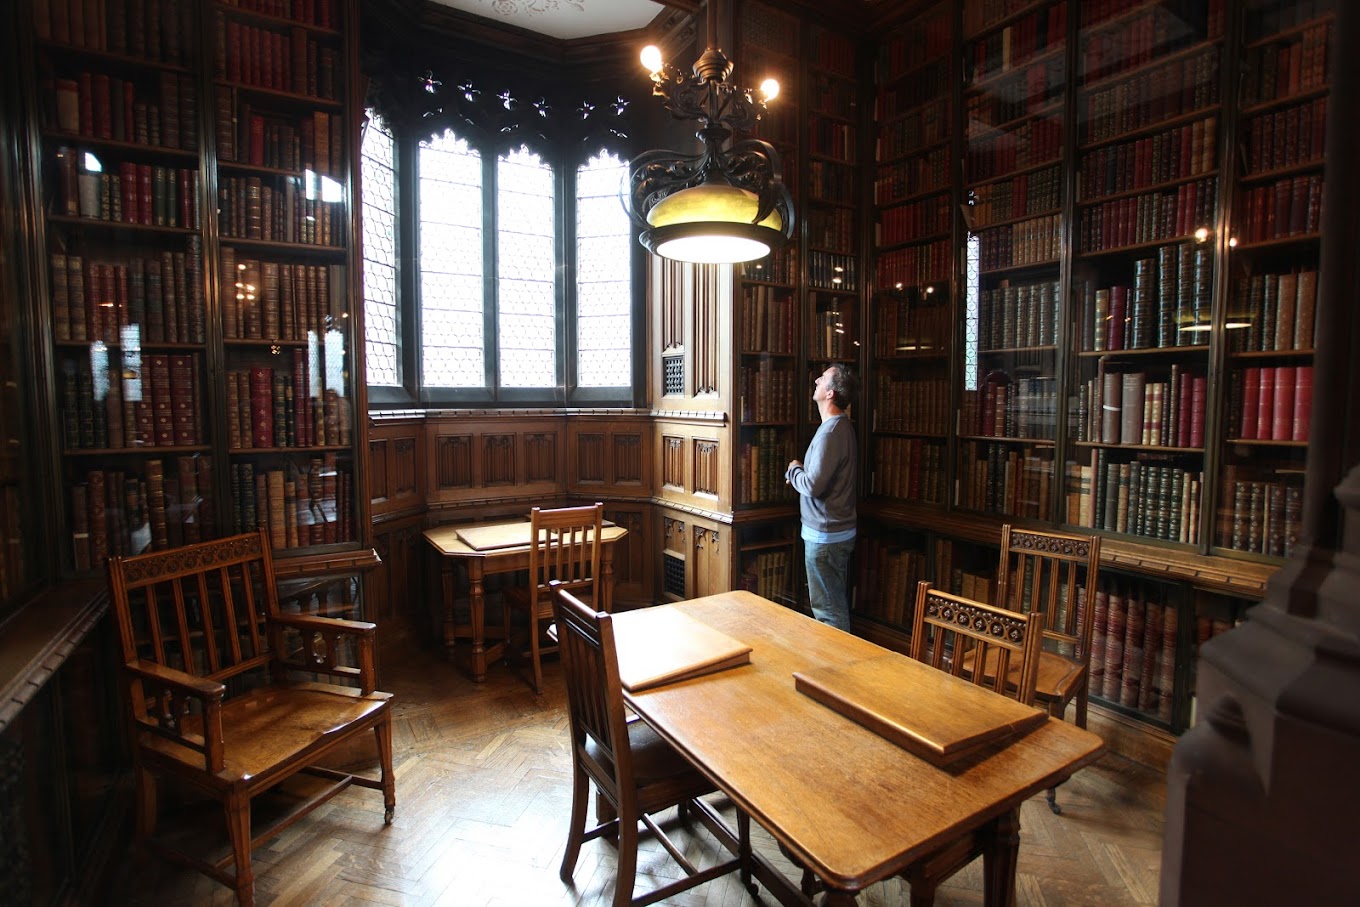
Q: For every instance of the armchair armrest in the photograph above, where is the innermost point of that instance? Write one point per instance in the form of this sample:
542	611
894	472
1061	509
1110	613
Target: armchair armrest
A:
327	624
164	709
320	647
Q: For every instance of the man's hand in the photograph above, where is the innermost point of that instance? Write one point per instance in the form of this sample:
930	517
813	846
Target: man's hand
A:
793	463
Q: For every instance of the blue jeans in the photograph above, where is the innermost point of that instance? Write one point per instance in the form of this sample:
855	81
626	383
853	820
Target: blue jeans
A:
828	567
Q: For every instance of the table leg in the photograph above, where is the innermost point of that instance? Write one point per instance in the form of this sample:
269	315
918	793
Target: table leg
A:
477	614
448	586
999	861
607	579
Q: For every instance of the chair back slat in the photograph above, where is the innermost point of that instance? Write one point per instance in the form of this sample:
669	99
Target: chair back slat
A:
594	692
565	548
170	612
956	634
1046	573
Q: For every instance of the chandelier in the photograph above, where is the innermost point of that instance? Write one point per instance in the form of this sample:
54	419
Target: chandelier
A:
725	203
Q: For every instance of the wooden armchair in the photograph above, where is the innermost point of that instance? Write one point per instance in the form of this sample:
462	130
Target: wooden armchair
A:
206	655
563	549
951	633
634	770
1045	573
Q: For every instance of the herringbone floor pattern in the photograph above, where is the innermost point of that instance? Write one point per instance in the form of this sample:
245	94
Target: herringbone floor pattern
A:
482	803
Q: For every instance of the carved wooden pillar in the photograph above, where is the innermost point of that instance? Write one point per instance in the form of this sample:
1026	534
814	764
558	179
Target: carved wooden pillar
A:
1261	794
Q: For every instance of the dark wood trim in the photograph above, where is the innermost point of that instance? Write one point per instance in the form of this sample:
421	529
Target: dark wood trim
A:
36	641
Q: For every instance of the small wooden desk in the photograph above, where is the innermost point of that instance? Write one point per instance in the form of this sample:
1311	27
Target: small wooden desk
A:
452	551
849	804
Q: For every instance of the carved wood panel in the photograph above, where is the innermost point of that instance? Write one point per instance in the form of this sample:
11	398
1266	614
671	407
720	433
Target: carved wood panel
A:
628	459
706	467
405	474
453	462
632	576
708	329
590	454
670	292
540	457
673	462
498	460
379	490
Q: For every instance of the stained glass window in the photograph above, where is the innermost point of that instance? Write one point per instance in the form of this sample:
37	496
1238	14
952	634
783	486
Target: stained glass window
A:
452	340
379	189
526	264
604	337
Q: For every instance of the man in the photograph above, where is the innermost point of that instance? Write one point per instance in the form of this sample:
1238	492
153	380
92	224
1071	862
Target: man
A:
827	506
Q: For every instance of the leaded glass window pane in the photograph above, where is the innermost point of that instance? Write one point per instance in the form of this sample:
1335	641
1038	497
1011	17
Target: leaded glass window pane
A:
526	270
379	188
604	325
451	294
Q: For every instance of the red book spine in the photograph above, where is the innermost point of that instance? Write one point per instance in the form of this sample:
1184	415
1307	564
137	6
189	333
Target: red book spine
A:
1251	401
1114	339
1282	412
1265	406
162	406
1303	402
182	400
262	407
1199	392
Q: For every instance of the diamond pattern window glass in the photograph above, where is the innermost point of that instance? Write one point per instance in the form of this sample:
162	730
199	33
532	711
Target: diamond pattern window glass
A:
379	188
526	278
452	340
603	275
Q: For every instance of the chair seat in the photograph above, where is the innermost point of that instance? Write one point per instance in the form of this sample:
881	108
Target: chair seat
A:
273	728
1058	677
654	760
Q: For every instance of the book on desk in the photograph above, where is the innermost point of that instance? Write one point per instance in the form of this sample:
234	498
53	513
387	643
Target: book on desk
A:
657	646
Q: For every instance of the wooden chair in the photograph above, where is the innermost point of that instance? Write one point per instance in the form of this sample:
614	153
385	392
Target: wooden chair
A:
1042	573
206	657
950	632
563	549
636	772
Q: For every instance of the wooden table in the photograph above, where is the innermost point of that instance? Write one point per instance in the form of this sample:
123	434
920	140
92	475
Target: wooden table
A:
452	550
850	805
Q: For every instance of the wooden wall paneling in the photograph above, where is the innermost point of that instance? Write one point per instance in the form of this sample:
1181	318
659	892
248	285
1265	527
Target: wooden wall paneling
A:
396	586
500	456
673	563
707	472
634	569
674	475
628	458
396	466
608	455
710	558
712	331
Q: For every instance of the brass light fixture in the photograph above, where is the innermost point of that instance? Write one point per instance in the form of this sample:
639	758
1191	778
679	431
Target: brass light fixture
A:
726	203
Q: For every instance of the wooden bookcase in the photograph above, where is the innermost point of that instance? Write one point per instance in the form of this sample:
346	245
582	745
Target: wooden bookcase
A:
194	166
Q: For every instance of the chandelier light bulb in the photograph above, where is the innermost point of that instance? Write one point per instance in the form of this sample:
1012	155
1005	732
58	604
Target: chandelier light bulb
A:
770	89
651	58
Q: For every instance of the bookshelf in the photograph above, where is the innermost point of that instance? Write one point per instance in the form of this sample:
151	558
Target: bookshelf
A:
195	218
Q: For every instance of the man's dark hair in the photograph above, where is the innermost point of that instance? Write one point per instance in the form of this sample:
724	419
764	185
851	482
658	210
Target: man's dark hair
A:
844	386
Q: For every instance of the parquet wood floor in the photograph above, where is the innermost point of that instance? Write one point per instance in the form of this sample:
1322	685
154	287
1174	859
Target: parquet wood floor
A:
483	798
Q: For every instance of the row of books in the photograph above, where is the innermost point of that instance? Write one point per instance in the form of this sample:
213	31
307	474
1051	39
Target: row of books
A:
152	299
911	405
1142	38
1284	208
896	98
1026	194
766	393
928	217
113	402
1033	142
912	469
1171	294
832	182
1001	479
1262	516
1176	153
831	228
979	15
1139	497
915	266
831	138
887	588
291	209
284	141
1271	403
1287	137
762	465
321	13
833	335
1011	408
920	126
780	266
99	106
299	509
292	62
1133	646
833	271
1177	89
833	51
273	301
1284	68
929	37
1097	12
1041	32
767	574
116	512
1273	311
159	30
145	194
1018	316
1132	409
833	96
766	320
965	579
1031	90
904	327
271	408
1026	243
1149	218
913	176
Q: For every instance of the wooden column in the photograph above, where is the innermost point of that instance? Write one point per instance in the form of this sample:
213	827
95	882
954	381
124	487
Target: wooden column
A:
1261	794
